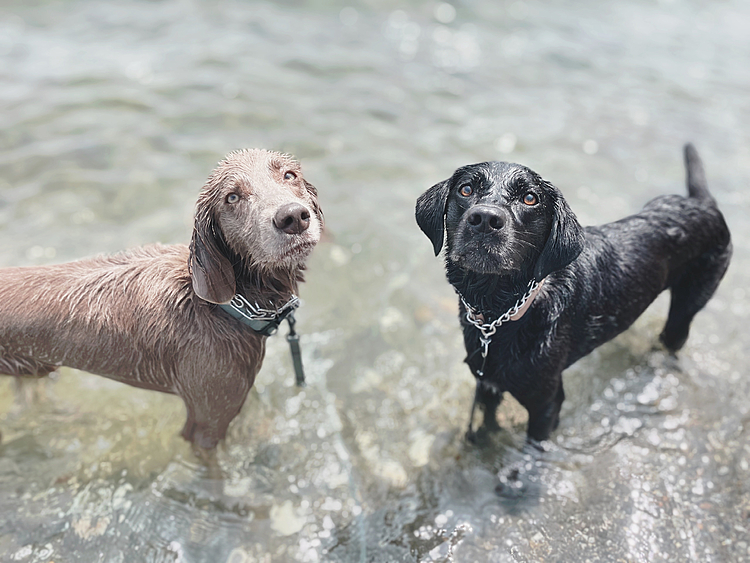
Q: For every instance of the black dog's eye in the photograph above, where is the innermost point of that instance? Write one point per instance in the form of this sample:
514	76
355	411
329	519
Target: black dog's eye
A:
529	199
466	190
290	175
233	198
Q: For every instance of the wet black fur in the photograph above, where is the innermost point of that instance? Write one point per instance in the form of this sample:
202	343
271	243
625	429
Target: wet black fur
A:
598	279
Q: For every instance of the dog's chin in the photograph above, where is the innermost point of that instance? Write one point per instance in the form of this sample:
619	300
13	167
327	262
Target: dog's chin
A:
482	262
286	253
298	251
294	253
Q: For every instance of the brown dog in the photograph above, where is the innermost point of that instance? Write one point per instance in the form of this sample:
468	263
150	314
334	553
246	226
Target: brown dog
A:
150	317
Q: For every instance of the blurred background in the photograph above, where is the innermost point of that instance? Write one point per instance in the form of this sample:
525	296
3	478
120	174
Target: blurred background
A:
112	114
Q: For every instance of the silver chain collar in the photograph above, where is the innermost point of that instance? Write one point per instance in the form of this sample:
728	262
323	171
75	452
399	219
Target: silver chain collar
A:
489	329
260	319
266	322
256	312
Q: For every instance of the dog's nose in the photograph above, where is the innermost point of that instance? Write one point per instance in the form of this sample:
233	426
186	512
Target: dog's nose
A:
485	219
292	218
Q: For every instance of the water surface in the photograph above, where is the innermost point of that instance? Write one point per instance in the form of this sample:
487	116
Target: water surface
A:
113	114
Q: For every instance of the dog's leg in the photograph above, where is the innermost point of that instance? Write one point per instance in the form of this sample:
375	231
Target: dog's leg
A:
208	417
203	430
489	399
203	439
28	378
28	391
545	417
690	294
210	460
471	436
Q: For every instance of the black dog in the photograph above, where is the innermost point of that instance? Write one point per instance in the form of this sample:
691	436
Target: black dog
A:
537	291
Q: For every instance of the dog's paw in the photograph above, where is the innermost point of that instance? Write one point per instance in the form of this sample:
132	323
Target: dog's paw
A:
537	445
482	435
511	485
471	436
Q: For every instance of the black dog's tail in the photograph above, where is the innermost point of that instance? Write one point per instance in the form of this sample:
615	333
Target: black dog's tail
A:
696	176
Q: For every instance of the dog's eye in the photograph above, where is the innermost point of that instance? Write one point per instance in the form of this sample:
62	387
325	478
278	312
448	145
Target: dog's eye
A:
233	198
289	175
466	190
529	199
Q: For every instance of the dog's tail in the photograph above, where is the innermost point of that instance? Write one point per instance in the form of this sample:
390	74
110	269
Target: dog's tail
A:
696	176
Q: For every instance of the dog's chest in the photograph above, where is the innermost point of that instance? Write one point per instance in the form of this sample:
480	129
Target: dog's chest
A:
515	353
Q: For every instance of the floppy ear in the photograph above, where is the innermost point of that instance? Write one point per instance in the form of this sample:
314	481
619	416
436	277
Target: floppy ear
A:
210	269
565	240
430	213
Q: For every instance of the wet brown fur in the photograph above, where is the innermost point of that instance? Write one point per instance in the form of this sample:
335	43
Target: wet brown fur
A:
148	317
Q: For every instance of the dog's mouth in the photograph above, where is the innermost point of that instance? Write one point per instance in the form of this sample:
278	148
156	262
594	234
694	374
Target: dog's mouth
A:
300	249
481	261
483	253
281	250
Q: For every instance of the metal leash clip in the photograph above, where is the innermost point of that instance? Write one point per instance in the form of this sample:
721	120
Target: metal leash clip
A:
266	322
296	351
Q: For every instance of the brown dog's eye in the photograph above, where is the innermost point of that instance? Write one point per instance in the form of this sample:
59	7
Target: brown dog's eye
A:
529	199
233	198
466	190
290	175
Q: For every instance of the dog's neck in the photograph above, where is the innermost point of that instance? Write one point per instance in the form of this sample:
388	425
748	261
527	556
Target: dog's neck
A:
490	294
262	286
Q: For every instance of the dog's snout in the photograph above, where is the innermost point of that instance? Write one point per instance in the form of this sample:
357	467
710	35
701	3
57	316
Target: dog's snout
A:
292	218
485	219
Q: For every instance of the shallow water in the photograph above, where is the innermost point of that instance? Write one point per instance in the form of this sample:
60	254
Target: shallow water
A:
112	116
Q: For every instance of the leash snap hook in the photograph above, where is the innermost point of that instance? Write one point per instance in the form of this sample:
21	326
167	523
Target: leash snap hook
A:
485	341
293	339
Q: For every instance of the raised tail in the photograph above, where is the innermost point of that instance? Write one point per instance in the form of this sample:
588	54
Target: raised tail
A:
696	176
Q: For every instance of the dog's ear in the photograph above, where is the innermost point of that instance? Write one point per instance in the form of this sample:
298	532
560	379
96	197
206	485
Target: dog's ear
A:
565	240
211	271
430	213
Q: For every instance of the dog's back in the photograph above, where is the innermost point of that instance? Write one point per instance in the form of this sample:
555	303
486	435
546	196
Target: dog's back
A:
676	242
107	296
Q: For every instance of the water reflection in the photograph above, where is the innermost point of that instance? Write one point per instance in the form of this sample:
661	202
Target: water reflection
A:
112	116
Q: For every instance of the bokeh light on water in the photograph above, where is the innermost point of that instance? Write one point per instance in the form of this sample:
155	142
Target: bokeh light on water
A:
112	116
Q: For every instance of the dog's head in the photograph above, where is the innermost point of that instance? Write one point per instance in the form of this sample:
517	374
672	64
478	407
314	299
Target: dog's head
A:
256	209
500	218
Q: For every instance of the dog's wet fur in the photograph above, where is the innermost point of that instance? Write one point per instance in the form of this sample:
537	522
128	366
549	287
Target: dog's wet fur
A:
504	225
149	317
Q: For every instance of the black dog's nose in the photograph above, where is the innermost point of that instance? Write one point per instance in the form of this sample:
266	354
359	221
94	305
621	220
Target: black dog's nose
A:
292	218
485	219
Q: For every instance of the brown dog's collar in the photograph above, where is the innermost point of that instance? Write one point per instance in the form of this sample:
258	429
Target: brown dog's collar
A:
263	321
266	322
